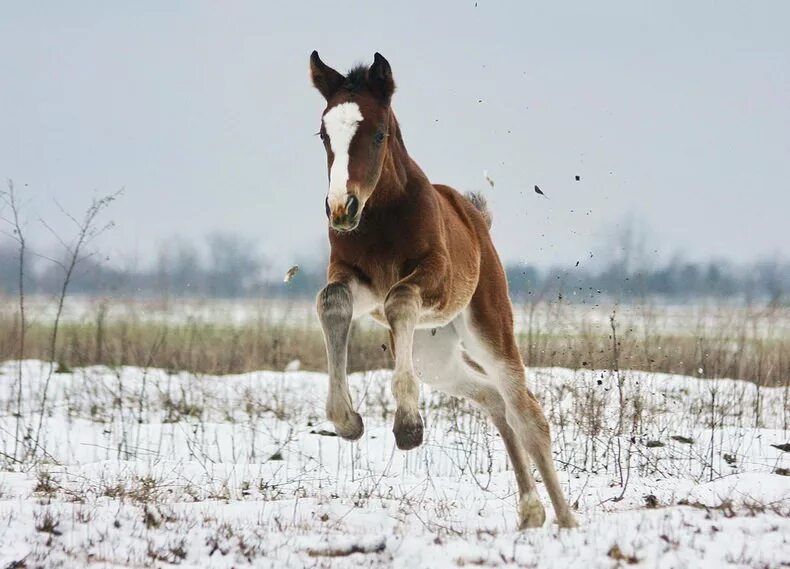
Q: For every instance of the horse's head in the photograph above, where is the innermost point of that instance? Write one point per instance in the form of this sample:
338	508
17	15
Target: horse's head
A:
354	130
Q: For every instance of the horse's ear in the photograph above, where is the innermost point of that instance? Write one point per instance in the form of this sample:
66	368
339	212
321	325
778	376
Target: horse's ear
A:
380	81
325	79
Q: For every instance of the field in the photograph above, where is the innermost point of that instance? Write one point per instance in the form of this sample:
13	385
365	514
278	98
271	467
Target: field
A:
176	461
140	467
218	337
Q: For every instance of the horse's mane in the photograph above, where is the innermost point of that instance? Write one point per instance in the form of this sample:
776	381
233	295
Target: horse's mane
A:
356	78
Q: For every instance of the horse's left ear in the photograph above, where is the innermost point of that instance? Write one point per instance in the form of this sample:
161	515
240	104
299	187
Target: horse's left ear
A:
380	81
325	79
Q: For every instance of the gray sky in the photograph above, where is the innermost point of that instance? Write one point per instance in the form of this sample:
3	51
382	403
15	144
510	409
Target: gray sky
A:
676	114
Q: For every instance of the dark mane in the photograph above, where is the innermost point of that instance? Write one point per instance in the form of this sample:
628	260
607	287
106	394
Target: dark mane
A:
356	78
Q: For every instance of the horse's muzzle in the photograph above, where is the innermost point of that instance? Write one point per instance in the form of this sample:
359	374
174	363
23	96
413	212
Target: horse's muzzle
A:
345	217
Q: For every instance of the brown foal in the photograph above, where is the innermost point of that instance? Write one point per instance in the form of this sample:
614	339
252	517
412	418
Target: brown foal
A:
419	259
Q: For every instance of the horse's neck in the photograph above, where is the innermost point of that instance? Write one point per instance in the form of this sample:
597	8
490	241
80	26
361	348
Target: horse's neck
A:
399	172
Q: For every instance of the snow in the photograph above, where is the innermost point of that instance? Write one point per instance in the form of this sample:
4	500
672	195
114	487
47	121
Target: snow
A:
141	467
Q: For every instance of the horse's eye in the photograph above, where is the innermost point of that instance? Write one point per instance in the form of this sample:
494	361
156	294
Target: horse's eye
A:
321	135
380	137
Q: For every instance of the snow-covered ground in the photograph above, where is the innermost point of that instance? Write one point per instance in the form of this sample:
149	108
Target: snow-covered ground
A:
142	468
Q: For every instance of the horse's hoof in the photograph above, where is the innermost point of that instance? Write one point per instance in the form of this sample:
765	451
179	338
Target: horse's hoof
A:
351	427
568	521
531	513
407	429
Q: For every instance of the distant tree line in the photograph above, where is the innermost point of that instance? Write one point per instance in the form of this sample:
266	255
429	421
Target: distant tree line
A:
226	266
222	266
677	281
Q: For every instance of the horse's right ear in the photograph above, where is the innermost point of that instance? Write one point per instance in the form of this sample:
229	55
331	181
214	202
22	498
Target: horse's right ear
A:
325	79
380	79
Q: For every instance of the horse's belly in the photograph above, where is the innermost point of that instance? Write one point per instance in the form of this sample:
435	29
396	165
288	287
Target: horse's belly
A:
455	298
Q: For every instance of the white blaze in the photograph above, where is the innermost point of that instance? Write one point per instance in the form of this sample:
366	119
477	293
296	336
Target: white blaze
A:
341	124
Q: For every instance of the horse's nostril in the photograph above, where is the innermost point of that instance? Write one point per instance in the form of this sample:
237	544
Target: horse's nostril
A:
326	206
352	205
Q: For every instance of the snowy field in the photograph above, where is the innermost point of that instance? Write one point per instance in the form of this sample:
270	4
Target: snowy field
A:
563	318
140	468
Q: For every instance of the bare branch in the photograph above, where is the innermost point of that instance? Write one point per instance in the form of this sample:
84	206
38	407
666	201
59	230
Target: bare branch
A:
55	234
50	259
11	201
86	231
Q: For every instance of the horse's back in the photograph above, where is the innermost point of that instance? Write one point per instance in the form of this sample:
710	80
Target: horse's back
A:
462	207
458	235
467	226
490	303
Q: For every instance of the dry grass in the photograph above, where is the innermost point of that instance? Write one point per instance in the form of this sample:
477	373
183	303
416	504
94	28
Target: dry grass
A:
720	342
196	346
713	342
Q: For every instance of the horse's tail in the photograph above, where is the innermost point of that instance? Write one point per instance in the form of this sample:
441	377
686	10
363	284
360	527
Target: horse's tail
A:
481	204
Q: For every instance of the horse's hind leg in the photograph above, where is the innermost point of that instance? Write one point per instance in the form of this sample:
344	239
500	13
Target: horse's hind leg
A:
525	416
439	362
495	349
530	510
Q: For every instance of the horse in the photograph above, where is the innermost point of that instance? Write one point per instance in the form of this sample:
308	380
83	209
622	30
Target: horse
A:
418	258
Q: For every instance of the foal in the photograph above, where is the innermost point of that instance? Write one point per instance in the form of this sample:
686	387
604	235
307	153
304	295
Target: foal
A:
419	259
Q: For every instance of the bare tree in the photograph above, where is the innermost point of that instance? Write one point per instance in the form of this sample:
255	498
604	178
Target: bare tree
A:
11	200
86	230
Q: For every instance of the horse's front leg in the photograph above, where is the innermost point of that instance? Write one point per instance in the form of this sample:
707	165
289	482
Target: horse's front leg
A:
424	287
402	310
335	309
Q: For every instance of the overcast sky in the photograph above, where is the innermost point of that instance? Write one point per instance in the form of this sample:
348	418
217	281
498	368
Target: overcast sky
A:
676	114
